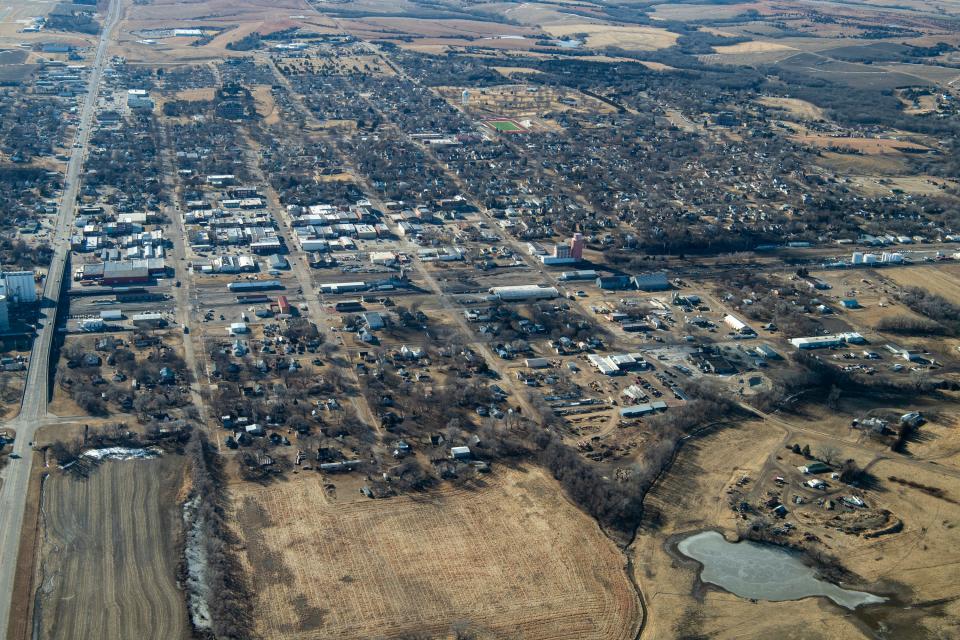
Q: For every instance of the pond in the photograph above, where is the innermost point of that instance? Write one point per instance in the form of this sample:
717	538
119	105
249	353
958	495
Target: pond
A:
763	572
569	43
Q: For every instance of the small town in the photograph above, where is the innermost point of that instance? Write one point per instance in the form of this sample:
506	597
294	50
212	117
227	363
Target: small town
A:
460	321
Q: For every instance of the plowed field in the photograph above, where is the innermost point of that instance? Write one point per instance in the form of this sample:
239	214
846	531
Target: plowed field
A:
109	555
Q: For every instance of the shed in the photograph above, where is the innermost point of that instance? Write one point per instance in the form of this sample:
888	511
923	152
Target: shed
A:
238	327
814	467
536	363
460	453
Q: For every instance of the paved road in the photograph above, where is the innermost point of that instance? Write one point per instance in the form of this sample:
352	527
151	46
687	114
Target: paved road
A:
33	408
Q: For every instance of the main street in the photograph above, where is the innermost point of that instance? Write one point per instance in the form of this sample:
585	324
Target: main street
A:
33	408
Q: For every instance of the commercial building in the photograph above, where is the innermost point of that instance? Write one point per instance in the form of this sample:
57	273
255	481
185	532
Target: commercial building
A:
139	99
125	272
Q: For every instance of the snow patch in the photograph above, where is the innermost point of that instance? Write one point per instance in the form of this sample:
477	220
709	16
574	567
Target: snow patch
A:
121	453
195	554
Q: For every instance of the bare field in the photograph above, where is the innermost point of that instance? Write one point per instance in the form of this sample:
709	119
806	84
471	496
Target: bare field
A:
943	280
602	35
920	185
754	46
794	106
108	561
511	559
867	146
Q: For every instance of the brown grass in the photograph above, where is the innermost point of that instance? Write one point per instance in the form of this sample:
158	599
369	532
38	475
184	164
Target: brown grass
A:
511	559
868	146
603	35
795	107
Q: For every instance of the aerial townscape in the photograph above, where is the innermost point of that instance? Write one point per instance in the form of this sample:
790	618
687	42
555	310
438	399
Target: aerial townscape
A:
468	320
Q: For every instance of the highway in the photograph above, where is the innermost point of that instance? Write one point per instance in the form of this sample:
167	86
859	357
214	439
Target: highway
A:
33	409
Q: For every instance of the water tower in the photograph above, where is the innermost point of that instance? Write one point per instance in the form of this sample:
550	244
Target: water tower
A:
465	97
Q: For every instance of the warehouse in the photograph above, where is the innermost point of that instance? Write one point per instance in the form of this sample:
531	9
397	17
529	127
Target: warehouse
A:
583	274
613	282
640	410
255	285
125	272
826	342
737	325
525	292
148	320
651	281
343	287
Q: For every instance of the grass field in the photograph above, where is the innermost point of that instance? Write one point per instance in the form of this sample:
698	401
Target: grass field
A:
108	562
505	126
512	559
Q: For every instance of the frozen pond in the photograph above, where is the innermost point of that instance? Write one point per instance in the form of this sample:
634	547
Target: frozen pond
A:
763	572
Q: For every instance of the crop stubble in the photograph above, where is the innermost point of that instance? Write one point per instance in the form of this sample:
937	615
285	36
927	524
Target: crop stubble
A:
110	553
513	557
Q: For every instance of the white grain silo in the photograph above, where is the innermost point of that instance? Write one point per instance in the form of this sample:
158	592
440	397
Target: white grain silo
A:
4	314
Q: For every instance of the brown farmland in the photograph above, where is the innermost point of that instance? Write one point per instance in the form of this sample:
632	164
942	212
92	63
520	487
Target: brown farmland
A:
108	562
513	557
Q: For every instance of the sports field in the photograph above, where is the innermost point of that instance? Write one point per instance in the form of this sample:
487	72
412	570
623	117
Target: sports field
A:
505	126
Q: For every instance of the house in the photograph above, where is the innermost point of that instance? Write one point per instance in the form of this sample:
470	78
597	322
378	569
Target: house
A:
460	453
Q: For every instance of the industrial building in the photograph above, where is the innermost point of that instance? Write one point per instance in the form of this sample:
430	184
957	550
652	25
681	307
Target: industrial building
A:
148	320
825	342
4	314
524	292
738	325
651	281
255	285
616	364
568	253
639	410
18	286
613	282
584	274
